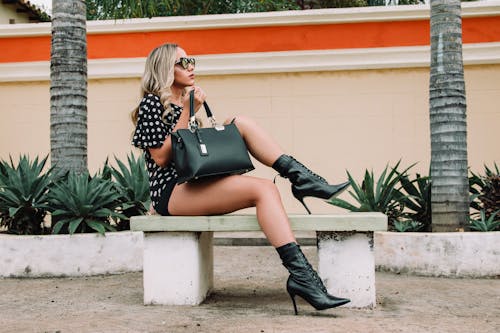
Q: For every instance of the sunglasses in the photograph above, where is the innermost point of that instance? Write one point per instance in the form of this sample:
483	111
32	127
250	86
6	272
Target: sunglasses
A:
184	62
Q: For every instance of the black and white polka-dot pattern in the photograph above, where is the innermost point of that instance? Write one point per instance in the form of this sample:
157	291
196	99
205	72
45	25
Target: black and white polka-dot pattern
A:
150	132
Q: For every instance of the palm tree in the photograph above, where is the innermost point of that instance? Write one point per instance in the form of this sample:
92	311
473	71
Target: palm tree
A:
68	86
450	190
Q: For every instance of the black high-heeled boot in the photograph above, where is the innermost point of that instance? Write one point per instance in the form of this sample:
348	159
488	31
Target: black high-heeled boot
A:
304	281
306	183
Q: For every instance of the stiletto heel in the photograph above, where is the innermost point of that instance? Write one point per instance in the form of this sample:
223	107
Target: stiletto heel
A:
304	281
306	183
294	304
304	204
301	199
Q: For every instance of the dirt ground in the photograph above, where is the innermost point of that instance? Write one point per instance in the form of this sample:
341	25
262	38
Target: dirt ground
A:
249	296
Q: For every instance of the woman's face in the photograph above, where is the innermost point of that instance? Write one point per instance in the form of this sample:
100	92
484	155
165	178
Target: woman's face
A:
183	77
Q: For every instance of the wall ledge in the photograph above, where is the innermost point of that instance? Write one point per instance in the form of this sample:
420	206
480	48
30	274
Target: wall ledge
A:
446	254
83	255
267	62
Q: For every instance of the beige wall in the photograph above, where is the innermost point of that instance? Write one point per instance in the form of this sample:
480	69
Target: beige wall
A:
8	12
332	121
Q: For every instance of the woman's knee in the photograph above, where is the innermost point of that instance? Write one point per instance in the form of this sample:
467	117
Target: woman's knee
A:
265	188
239	120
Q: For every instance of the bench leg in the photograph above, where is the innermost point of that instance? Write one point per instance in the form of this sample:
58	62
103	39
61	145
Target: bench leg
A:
347	266
178	267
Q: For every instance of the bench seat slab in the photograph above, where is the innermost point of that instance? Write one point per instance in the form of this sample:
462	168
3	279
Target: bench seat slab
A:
338	222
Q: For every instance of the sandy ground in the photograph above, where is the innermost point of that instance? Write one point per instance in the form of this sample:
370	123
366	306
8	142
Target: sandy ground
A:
249	296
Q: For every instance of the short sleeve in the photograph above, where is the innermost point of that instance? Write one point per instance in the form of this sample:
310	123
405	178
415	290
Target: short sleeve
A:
150	131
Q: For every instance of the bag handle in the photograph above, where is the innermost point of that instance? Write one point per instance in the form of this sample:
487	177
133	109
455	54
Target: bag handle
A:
193	125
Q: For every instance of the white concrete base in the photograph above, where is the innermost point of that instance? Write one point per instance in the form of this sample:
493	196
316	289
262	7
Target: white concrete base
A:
346	264
178	267
451	254
70	255
178	253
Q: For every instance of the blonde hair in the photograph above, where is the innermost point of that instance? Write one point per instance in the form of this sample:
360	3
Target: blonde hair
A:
158	76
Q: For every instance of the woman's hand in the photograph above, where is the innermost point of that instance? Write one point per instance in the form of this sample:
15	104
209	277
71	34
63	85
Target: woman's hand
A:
199	98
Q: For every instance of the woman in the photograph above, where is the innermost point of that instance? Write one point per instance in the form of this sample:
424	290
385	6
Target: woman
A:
168	76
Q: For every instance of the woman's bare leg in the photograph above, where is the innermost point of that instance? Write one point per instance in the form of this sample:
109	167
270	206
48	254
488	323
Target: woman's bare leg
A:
228	194
259	143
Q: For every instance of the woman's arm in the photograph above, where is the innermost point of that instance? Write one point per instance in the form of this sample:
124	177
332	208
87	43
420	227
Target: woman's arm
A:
163	155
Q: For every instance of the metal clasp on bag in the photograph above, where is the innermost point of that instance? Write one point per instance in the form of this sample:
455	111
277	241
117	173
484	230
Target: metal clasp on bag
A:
215	125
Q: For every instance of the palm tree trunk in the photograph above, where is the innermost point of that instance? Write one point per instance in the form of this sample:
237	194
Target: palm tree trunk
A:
68	86
450	188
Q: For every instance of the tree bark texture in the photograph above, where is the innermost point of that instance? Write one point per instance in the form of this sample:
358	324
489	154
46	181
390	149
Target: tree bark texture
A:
450	187
68	86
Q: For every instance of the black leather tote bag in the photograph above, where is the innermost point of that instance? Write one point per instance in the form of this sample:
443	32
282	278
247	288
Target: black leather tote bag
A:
205	152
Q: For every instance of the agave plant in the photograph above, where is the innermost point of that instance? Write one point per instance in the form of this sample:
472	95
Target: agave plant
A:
81	203
484	223
105	173
133	185
23	190
485	191
418	201
377	196
407	226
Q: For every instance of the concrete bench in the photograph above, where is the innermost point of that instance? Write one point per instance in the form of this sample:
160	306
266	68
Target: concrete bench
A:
178	253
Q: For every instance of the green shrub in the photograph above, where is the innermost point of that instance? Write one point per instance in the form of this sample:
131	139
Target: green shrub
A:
81	203
407	226
133	184
485	191
77	203
23	194
418	201
484	223
382	195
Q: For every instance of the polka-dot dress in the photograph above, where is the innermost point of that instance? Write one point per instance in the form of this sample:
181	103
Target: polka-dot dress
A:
150	132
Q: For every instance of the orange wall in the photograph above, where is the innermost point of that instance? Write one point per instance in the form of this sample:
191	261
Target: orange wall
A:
255	39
